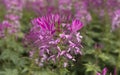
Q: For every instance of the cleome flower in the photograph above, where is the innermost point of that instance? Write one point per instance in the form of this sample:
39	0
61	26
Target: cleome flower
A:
54	40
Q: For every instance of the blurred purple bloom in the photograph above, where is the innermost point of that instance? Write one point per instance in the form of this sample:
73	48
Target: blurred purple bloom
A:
71	8
13	15
116	20
101	7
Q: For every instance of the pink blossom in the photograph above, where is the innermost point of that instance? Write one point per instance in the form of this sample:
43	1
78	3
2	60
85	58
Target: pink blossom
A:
54	40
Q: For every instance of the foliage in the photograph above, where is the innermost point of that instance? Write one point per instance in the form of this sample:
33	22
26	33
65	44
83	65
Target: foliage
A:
101	48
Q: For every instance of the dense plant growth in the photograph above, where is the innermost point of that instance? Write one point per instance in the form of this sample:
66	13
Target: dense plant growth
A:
59	37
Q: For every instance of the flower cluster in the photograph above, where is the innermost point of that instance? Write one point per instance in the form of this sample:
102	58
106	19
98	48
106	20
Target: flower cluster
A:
13	15
53	39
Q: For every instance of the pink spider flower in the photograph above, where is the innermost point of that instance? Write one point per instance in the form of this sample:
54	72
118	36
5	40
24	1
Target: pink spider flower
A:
54	39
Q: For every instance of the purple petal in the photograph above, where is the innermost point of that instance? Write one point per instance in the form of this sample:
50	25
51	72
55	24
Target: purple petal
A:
65	64
69	56
98	73
63	52
76	25
104	71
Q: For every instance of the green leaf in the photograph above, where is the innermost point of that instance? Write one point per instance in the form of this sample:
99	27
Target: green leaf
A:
104	57
91	67
9	72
